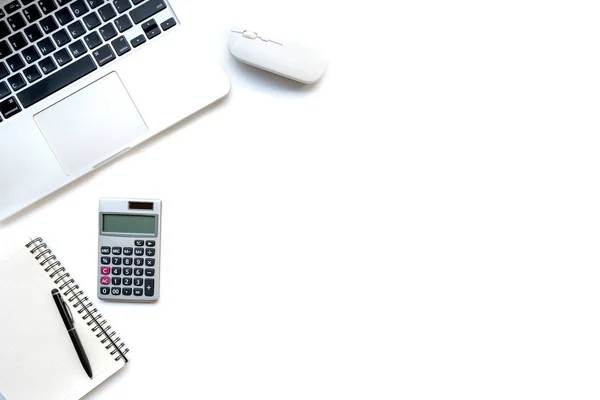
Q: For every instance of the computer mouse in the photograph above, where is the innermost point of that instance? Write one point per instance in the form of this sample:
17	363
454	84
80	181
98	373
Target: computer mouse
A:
278	54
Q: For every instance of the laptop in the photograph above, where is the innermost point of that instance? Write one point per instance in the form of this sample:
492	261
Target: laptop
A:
82	82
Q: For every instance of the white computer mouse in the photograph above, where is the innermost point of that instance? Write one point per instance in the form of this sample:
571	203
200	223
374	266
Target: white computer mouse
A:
278	54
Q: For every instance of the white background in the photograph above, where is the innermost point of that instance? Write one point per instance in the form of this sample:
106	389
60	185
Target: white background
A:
422	224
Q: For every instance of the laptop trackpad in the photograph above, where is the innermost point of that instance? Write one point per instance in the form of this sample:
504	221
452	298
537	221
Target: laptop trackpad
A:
92	125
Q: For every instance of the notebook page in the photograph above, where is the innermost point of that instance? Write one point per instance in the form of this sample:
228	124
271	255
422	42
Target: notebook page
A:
37	357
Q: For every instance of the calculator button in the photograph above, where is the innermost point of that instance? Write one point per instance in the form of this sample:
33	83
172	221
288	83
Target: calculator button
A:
139	242
138	272
127	281
127	291
105	280
139	252
105	260
105	250
150	272
128	251
116	260
105	291
150	262
138	292
116	291
149	287
139	262
127	271
150	243
116	281
116	271
105	270
127	261
138	281
117	251
150	252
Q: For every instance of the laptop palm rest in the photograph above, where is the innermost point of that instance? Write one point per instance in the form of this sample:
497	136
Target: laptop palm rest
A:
92	126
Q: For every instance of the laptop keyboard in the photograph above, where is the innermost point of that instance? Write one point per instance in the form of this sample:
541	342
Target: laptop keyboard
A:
46	45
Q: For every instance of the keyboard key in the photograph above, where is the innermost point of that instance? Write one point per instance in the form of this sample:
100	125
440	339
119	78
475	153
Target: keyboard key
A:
16	82
47	65
128	261
138	292
33	33
4	90
94	3
76	29
48	24
150	243
105	260
12	6
149	287
168	24
15	63
150	252
104	55
79	8
63	57
92	21
116	291
127	291
127	281
16	21
139	251
146	10
117	260
4	29
31	54
127	271
47	6
57	81
77	49
123	23
139	262
32	13
116	281
122	5
121	45
107	12
128	251
150	272
104	291
108	31
18	41
46	46
150	262
138	281
149	25
64	16
139	242
93	40
138	272
9	108
32	73
116	270
5	49
4	72
153	33
117	251
136	2
63	2
61	38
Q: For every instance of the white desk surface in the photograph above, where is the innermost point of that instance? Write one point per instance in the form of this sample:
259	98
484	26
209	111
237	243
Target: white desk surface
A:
422	224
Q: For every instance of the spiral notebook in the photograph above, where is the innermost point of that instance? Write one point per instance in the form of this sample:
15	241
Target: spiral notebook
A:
37	358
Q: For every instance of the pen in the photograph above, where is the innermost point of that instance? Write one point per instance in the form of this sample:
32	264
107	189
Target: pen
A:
67	318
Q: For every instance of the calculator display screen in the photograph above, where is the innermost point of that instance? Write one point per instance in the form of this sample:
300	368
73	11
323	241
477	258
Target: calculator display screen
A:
118	223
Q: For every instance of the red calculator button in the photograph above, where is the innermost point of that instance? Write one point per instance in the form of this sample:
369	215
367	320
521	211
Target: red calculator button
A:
105	280
105	270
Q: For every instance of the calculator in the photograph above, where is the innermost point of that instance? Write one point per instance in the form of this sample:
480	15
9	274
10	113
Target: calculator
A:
129	250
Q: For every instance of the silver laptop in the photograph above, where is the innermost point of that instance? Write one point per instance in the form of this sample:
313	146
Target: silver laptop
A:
84	81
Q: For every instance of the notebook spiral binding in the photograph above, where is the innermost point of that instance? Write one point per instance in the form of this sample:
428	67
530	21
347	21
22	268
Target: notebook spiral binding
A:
78	300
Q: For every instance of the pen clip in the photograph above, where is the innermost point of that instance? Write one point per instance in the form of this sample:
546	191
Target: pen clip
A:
66	308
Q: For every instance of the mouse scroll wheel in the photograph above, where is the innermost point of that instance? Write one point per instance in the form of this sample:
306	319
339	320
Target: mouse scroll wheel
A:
249	35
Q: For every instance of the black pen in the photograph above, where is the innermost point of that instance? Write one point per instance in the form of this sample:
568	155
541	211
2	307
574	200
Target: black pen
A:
67	318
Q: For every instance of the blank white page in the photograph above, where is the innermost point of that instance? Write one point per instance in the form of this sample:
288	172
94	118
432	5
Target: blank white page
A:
37	357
